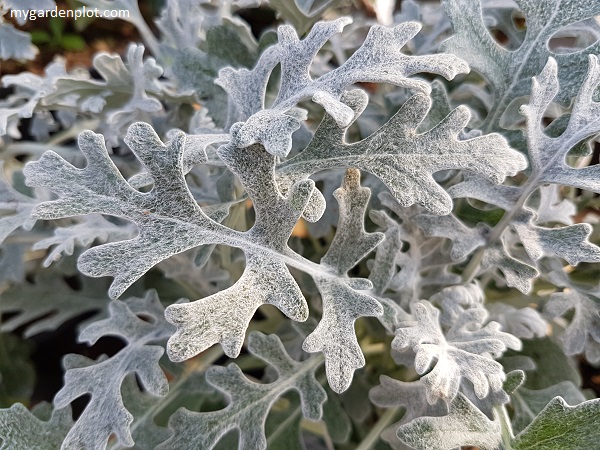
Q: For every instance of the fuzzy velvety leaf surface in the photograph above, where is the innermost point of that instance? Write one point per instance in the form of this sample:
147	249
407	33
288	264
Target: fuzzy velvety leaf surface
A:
378	60
342	304
554	209
527	403
411	396
334	336
167	217
170	221
466	350
548	165
562	427
105	414
224	316
351	242
383	268
582	335
22	430
465	425
404	159
547	154
477	187
570	243
516	273
202	323
49	301
250	402
454	300
510	71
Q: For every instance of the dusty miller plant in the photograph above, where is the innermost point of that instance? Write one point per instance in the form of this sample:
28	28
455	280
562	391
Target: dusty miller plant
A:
414	201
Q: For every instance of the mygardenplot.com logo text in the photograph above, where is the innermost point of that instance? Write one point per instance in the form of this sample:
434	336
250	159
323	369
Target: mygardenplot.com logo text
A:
33	14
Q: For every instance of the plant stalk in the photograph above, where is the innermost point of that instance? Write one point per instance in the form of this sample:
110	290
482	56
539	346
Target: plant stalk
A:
384	421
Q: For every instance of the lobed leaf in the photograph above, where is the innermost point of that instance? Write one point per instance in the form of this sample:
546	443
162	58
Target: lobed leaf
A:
202	323
105	413
378	60
224	317
464	239
570	243
250	402
582	335
411	397
405	160
20	429
465	425
342	304
516	273
168	217
48	302
548	154
525	323
29	91
509	71
466	350
422	267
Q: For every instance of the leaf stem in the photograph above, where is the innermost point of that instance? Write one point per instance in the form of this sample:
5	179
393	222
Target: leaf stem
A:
72	132
506	428
384	421
471	269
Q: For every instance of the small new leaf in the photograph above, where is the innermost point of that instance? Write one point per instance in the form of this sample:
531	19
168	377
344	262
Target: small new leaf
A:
466	350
